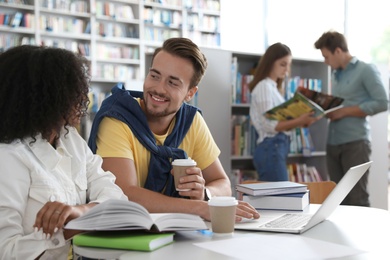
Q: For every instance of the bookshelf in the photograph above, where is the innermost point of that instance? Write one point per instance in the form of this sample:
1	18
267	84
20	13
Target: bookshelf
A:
203	22
216	92
115	35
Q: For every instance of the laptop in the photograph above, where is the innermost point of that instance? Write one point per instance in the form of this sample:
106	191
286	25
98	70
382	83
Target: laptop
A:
298	223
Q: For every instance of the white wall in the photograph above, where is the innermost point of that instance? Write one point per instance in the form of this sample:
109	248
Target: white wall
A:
242	25
378	178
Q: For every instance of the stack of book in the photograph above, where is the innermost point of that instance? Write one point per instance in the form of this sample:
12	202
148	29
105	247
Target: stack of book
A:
281	195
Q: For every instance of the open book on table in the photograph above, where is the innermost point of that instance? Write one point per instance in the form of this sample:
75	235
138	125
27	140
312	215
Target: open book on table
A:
127	215
304	101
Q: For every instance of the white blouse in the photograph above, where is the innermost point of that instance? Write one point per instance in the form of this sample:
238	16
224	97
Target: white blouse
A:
34	173
264	97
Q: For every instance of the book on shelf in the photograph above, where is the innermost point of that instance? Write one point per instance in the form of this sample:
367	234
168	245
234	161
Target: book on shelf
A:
295	82
307	141
233	76
305	101
243	136
271	188
300	172
140	241
127	215
301	141
289	201
16	19
241	175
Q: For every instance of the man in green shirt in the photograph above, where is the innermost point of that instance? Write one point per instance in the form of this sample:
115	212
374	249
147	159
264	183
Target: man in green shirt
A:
360	85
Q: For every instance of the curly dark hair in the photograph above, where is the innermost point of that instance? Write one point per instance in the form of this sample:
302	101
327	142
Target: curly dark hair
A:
42	89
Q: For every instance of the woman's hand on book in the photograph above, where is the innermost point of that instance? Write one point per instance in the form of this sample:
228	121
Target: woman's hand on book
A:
54	215
307	119
303	120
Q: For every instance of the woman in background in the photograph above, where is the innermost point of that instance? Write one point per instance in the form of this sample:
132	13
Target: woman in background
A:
273	143
48	174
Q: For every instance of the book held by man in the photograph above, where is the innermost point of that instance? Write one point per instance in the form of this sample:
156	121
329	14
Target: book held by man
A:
271	188
128	240
305	101
289	201
127	215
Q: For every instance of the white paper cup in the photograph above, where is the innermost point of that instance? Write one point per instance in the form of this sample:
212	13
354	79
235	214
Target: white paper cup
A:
179	170
223	214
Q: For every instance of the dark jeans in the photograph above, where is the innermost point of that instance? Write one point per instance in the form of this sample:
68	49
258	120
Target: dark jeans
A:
340	158
270	158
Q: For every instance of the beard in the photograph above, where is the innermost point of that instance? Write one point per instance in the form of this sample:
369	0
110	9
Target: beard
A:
155	111
152	112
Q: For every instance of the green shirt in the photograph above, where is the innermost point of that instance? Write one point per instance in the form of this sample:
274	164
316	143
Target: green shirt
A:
359	84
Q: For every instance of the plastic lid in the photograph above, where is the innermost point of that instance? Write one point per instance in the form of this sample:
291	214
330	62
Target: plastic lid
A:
184	162
222	201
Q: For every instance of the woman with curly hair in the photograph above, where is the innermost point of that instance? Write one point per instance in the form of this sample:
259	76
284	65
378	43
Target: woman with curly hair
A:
48	174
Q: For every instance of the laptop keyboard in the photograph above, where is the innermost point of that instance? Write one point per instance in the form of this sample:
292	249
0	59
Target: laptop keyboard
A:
289	221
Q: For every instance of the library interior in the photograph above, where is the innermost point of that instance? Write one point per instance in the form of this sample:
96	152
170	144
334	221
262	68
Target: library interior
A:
119	37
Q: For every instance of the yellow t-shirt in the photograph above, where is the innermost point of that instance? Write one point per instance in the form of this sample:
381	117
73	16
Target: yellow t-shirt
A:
115	139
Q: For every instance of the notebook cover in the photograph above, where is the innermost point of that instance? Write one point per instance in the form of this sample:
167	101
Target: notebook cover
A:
124	240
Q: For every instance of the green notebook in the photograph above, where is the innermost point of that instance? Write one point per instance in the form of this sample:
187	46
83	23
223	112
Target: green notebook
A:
140	241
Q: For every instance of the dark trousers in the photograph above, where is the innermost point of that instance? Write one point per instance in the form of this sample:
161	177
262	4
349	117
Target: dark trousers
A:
340	158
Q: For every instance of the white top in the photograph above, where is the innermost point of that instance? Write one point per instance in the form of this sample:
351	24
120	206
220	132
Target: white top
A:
264	97
32	174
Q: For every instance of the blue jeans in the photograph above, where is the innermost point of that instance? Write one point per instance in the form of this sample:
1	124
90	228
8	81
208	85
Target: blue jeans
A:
270	158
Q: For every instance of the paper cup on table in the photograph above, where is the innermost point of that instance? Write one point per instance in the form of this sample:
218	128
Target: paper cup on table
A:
179	170
223	214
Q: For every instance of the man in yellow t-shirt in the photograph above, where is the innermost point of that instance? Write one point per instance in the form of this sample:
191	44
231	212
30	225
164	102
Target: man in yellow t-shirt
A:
127	129
198	144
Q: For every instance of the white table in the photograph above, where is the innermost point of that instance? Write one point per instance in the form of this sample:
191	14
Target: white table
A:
367	229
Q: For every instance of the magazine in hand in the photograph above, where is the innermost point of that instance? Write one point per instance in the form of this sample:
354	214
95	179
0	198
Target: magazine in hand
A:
305	101
127	215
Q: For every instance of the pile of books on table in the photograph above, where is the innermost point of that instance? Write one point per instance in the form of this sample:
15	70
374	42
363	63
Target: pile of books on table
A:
280	195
